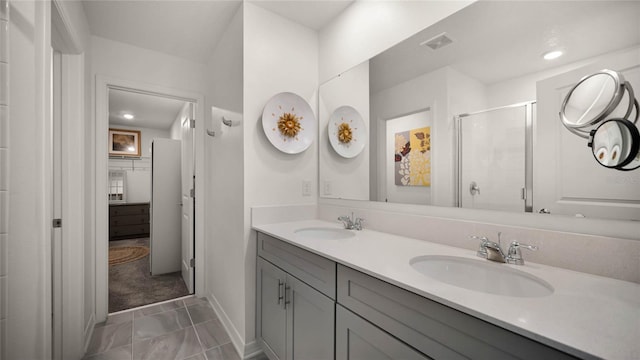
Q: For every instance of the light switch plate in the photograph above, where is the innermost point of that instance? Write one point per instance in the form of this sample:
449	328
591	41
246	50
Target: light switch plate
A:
306	187
326	187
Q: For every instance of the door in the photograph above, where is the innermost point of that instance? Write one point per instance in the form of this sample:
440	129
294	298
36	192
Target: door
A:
188	198
492	158
357	339
569	181
272	314
56	232
310	322
165	206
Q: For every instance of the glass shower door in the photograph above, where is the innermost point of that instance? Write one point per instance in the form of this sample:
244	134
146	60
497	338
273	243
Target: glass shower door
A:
494	158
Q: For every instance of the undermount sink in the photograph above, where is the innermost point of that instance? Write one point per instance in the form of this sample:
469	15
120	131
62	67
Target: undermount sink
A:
325	233
481	275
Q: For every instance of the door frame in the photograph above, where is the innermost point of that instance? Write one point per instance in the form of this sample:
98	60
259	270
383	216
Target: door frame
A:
70	334
103	84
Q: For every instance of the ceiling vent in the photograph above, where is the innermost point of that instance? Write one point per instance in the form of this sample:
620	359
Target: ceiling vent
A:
437	42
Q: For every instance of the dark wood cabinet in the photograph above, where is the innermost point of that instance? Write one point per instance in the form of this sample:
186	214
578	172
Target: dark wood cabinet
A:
128	221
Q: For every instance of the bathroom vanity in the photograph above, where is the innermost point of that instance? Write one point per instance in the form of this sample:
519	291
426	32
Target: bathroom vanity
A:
320	288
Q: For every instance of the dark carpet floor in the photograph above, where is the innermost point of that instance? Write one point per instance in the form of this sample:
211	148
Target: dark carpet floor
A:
131	284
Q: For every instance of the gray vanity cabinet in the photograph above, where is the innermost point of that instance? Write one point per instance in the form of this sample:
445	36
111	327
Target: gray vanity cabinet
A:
294	319
273	315
306	304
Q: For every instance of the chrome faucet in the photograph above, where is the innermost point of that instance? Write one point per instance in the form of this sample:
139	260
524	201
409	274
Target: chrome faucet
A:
490	250
514	256
482	250
493	251
351	223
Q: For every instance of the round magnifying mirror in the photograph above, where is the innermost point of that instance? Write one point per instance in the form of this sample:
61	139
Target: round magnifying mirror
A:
615	143
634	164
593	98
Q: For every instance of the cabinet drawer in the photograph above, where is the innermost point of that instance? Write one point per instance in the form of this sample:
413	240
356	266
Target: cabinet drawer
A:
316	271
432	328
117	210
129	220
128	230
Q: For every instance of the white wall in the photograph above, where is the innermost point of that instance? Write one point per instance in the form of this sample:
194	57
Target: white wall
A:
138	178
347	178
127	62
446	92
4	172
175	132
28	218
367	28
224	233
399	193
279	55
426	91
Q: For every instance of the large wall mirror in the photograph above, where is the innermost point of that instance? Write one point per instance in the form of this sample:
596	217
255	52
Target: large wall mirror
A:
466	112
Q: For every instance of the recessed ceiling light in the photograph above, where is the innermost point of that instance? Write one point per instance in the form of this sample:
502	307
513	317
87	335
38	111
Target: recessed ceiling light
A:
552	55
128	116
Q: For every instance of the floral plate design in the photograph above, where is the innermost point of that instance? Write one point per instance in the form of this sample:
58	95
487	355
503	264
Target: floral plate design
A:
289	123
347	133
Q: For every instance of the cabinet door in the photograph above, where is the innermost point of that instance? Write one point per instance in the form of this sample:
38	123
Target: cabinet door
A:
310	322
357	339
272	315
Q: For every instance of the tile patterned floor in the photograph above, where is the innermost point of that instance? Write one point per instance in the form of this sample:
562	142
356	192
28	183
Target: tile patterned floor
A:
183	329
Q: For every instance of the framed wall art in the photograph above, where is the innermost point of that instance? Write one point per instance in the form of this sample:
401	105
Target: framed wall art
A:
124	143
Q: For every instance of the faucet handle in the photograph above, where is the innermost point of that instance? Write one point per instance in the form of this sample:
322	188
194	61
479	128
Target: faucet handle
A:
357	224
514	256
481	238
482	250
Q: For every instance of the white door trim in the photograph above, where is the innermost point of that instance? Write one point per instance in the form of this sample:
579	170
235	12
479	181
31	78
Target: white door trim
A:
67	39
103	84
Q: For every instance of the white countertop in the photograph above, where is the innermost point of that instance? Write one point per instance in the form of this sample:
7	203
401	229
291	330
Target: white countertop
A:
587	316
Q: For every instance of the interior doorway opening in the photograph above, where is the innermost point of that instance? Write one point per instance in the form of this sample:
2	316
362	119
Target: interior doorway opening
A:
151	175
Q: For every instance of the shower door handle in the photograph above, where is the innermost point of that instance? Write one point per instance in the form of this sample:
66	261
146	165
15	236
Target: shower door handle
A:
474	189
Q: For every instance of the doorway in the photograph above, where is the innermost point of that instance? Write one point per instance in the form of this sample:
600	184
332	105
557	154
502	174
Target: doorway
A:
146	246
150	156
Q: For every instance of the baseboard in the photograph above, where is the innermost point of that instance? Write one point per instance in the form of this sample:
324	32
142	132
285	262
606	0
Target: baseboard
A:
245	350
88	332
252	349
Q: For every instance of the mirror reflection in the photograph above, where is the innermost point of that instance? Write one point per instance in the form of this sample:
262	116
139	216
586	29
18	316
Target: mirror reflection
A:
595	98
615	143
477	83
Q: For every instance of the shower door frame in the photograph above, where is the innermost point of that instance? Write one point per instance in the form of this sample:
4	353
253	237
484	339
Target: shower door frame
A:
527	193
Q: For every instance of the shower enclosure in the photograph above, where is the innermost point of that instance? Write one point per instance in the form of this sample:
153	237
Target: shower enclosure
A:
494	158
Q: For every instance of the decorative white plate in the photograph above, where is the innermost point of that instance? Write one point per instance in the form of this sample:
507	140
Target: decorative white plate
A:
289	123
347	121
